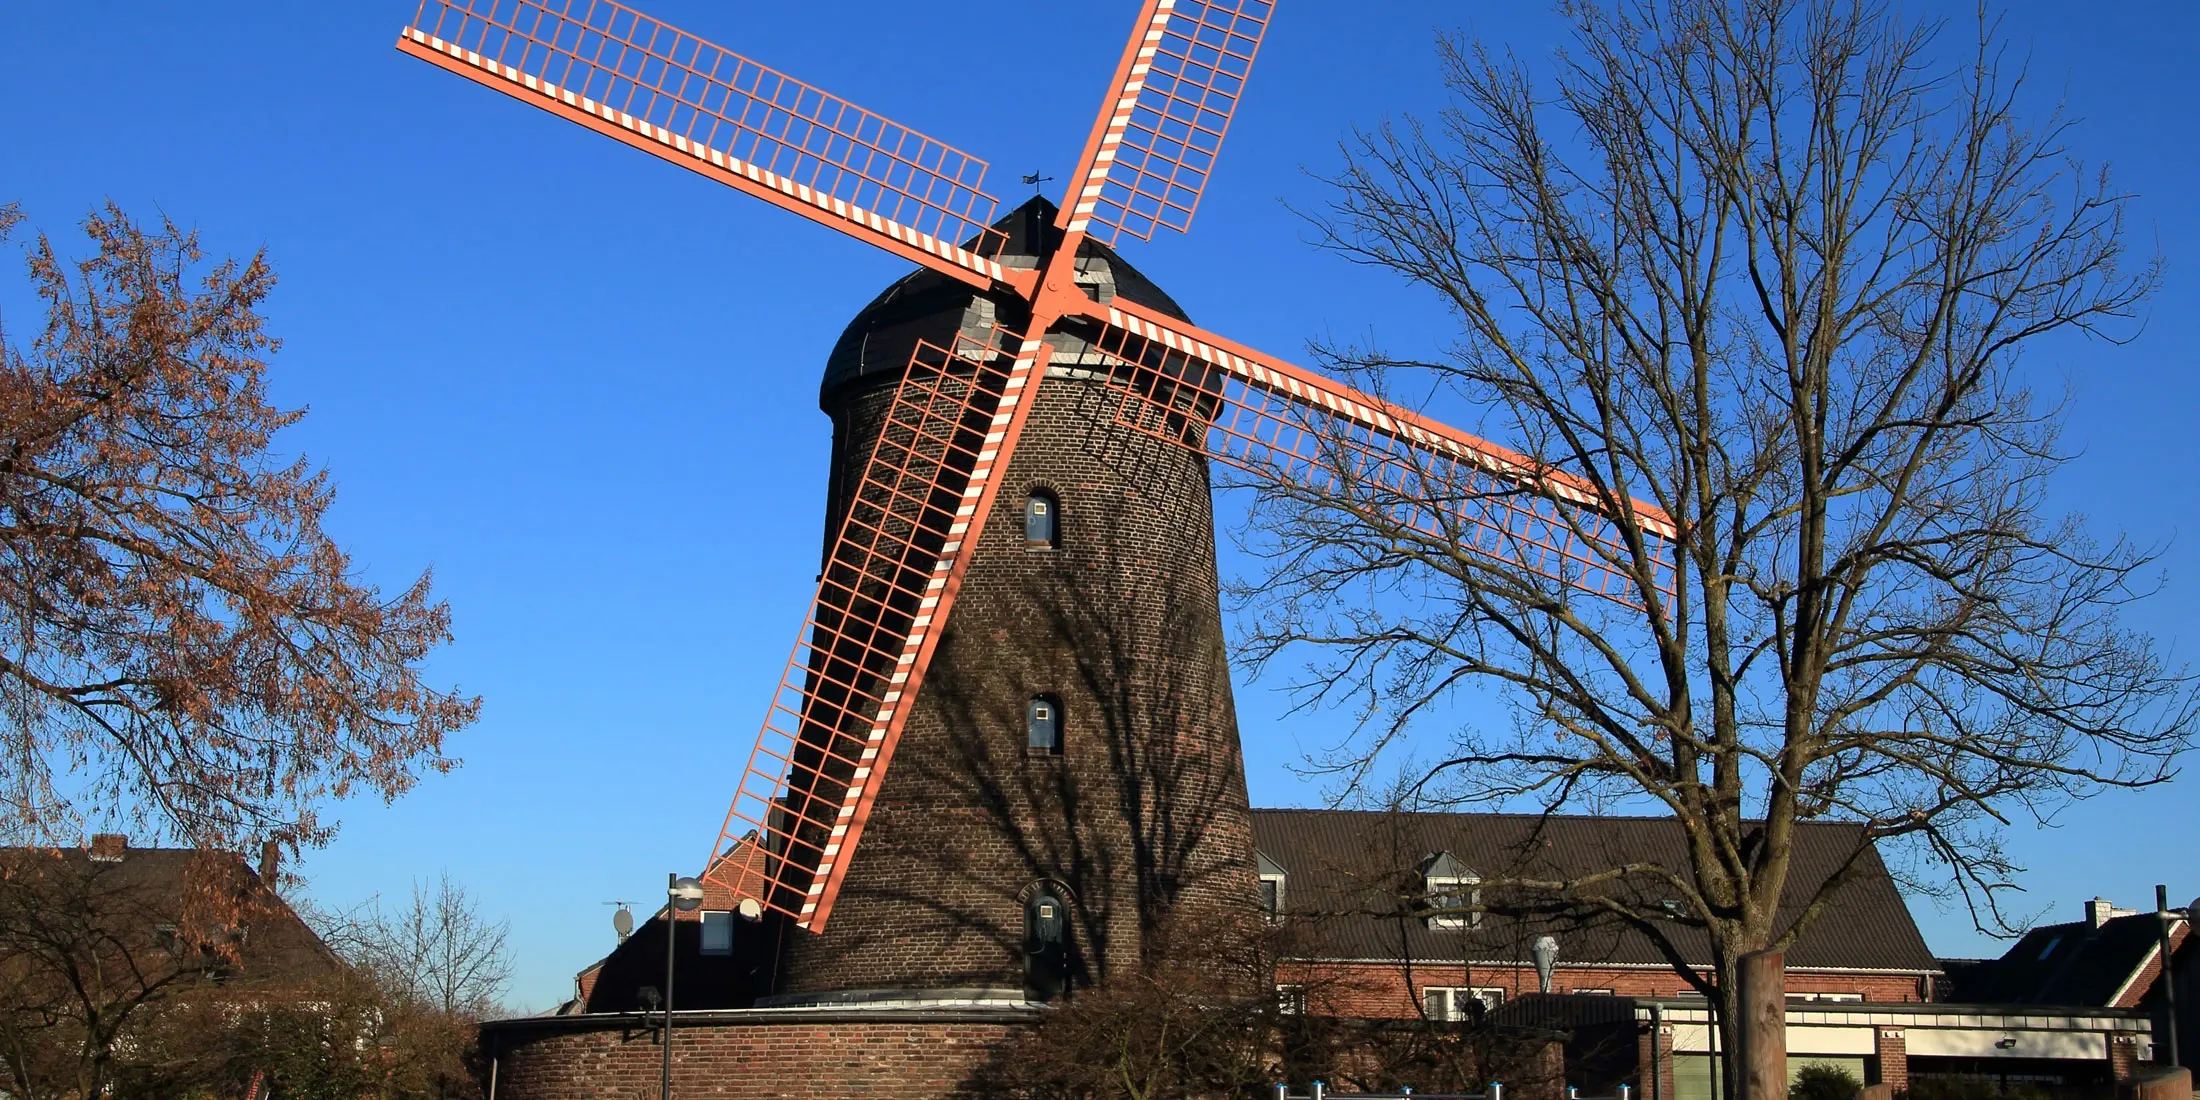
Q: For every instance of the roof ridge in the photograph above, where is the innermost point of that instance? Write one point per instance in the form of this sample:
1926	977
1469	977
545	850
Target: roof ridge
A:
1515	815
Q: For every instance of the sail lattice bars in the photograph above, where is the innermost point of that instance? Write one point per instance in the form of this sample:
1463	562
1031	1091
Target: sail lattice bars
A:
890	579
700	105
1282	422
1154	144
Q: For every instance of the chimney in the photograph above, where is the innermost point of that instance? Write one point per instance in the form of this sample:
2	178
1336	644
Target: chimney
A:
2100	911
271	861
108	847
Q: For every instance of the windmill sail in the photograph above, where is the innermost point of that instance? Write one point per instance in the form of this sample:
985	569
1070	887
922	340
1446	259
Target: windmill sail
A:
889	581
1279	421
1170	106
676	96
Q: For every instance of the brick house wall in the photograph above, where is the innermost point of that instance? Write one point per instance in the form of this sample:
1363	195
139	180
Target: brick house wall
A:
748	1056
1391	989
1143	815
2142	983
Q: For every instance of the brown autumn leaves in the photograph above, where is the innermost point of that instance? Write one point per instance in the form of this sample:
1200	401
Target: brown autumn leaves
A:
185	649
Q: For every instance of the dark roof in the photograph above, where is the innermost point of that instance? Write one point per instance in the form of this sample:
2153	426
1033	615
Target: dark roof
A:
1347	872
148	889
2063	964
926	305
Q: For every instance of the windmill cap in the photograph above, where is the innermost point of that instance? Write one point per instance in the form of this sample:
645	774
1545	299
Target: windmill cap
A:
926	305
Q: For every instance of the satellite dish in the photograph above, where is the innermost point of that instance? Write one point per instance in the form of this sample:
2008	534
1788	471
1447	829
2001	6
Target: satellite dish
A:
622	922
750	910
687	894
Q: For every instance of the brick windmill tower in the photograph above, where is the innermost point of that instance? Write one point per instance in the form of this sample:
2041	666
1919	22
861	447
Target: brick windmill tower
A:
1003	755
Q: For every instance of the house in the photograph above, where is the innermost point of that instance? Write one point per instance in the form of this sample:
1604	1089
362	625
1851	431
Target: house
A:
1366	889
134	946
2112	959
164	912
1423	915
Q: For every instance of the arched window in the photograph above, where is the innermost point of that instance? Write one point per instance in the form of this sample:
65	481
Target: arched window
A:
1042	521
1043	726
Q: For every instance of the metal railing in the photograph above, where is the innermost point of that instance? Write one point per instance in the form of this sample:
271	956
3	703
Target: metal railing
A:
1321	1092
1496	1092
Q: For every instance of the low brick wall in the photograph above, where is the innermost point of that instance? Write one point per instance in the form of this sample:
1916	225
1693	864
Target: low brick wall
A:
754	1054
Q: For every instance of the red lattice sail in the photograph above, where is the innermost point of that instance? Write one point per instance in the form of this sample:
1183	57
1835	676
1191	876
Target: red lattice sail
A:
1279	421
1155	143
888	585
700	105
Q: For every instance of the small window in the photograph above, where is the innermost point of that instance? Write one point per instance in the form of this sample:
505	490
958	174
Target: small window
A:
1043	726
1291	1000
1451	892
1456	1003
718	932
1042	522
1592	992
1271	888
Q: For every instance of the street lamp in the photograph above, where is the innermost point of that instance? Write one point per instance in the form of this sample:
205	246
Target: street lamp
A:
684	895
1545	950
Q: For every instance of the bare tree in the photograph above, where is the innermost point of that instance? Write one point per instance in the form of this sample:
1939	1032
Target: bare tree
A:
1769	264
181	645
437	953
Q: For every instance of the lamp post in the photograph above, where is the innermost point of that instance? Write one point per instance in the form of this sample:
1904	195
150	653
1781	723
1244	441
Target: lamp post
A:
2169	975
682	895
1545	952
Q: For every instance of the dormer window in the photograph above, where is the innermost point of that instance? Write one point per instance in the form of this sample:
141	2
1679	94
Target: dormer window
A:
1451	892
1042	521
1271	889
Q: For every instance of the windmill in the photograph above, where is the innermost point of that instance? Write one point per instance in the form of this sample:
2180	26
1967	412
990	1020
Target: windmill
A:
909	526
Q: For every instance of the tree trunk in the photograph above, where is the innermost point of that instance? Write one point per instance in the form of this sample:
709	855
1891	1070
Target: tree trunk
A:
1761	1012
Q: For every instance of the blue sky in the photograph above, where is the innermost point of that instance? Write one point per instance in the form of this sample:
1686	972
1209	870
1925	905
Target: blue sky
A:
581	384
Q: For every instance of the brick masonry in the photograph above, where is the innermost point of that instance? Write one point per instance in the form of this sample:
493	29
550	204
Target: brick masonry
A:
1142	814
2123	1056
1381	989
752	1055
1891	1046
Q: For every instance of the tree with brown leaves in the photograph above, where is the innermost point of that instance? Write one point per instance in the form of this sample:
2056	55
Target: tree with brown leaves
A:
1769	264
182	646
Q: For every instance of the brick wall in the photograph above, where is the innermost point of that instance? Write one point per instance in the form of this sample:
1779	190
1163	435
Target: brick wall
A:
1891	1045
748	1056
1654	1050
1382	989
2123	1056
1143	814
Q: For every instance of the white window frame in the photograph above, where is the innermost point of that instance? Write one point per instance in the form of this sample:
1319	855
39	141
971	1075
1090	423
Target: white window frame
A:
1275	915
1291	1000
1454	999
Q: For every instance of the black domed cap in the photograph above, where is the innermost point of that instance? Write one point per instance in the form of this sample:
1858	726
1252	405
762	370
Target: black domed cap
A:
926	305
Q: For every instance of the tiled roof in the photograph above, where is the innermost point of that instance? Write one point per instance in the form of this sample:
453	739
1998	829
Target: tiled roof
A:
146	888
2064	964
1347	871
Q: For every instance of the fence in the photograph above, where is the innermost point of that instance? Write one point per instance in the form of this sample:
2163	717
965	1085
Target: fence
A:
1496	1092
